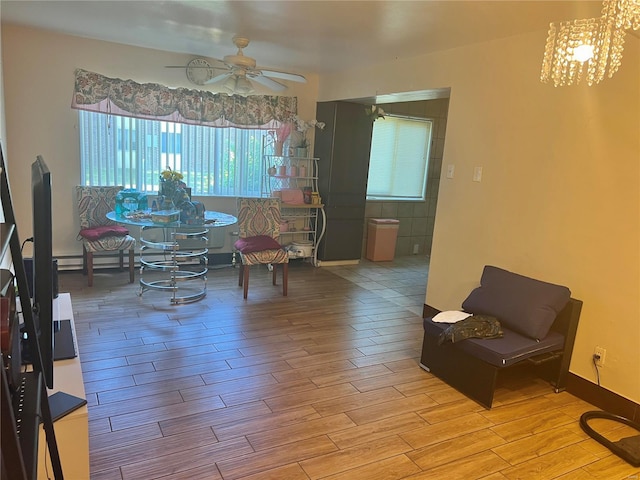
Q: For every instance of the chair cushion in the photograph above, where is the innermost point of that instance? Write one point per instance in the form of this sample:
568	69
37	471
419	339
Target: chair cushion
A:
520	303
110	243
501	352
256	244
276	255
95	233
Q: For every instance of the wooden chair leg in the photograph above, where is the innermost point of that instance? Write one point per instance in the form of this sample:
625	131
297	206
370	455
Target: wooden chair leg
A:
273	275
121	259
90	268
240	274
246	280
132	266
84	260
285	278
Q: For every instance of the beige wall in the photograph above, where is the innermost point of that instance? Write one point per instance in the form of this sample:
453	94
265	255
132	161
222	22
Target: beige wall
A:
38	80
559	199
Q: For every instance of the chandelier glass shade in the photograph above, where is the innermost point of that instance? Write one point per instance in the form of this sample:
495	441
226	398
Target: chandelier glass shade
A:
625	12
589	49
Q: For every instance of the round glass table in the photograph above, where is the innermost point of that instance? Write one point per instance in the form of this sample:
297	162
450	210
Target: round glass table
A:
174	255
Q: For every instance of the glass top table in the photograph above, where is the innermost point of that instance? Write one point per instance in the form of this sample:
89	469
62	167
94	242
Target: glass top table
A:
174	255
211	219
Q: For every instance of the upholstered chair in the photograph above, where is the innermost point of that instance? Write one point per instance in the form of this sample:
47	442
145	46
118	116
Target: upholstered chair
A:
259	229
99	234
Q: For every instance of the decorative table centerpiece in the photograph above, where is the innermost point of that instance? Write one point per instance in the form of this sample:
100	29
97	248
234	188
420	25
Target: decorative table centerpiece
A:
172	191
173	196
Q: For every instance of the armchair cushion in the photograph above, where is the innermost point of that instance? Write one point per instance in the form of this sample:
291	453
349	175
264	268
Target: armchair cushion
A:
96	233
523	304
256	244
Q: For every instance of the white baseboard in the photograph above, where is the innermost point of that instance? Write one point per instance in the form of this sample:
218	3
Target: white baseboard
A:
336	263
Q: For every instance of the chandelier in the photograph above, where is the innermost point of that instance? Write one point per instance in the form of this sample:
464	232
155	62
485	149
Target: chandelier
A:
589	48
625	12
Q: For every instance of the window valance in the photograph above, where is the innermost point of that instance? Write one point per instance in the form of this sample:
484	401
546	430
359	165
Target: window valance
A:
98	93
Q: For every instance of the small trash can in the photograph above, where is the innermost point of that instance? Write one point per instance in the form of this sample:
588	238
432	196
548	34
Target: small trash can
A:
381	239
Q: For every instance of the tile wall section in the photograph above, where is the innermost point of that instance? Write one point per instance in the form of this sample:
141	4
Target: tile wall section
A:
416	218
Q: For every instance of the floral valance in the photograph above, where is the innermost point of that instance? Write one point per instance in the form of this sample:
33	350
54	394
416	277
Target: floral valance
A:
98	93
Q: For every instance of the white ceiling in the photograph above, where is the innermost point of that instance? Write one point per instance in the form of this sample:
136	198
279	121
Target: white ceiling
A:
297	36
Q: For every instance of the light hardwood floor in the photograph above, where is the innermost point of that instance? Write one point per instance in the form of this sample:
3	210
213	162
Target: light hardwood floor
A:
322	384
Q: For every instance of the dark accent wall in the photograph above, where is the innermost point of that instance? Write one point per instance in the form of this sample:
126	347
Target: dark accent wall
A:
343	148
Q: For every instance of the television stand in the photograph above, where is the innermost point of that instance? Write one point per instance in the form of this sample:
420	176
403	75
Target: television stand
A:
72	429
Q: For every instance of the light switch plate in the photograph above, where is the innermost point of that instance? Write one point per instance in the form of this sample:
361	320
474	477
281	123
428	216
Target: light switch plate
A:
477	174
451	170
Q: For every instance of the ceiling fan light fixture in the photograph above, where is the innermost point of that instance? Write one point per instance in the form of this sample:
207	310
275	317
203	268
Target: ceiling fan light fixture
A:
243	86
240	61
238	85
240	73
229	85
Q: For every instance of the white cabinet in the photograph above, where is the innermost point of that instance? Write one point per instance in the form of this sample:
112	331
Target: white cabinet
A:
295	181
72	430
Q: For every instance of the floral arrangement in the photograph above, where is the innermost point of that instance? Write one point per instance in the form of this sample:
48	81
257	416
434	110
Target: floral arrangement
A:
296	130
169	175
375	112
172	188
303	127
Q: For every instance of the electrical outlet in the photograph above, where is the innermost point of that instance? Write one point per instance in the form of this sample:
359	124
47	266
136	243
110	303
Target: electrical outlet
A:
416	248
599	354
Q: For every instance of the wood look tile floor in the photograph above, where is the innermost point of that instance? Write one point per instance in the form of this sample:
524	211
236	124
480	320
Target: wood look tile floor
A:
322	384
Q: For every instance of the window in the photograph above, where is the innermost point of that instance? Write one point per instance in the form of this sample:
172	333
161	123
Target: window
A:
131	152
399	158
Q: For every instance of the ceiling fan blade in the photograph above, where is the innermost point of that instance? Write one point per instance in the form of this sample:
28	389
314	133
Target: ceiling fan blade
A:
218	78
267	82
293	77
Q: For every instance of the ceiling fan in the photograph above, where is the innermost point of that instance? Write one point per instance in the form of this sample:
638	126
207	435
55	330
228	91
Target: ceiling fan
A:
240	71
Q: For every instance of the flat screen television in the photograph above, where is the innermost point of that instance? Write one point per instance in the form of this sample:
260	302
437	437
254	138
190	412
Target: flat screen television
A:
43	264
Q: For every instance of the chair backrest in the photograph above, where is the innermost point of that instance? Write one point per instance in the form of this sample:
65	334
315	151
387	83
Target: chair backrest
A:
94	203
258	216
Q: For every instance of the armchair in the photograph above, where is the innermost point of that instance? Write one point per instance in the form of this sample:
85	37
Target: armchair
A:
99	234
539	321
259	229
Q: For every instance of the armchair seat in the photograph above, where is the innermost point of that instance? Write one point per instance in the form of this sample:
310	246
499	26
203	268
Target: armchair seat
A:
265	256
